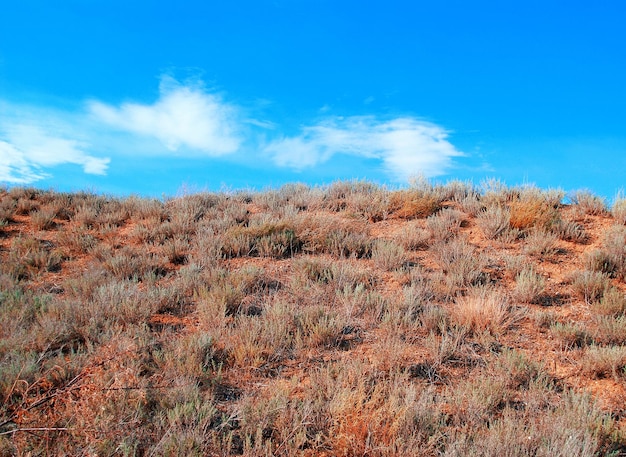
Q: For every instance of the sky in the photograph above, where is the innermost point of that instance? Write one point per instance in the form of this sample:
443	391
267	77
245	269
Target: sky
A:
159	98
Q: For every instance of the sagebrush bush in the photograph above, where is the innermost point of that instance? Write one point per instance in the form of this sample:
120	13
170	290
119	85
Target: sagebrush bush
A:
589	285
460	261
618	210
587	203
445	224
611	258
494	221
541	243
388	255
529	285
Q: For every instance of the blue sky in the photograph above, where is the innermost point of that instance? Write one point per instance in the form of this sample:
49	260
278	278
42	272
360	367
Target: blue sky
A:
159	97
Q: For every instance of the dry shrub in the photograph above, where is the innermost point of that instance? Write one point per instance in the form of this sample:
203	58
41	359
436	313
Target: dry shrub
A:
413	203
589	285
529	285
618	210
610	330
586	203
413	236
602	362
484	309
460	262
612	303
611	258
533	211
540	243
570	335
494	221
445	224
388	255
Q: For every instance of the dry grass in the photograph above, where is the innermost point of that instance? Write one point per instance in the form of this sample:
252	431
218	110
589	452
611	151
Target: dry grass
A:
344	320
411	204
484	309
528	285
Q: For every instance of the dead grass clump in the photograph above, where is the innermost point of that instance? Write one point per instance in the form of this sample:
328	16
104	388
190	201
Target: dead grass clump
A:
533	212
612	303
589	285
570	335
413	204
484	309
603	362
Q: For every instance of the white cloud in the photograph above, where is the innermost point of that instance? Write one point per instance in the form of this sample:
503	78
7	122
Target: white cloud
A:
28	145
183	117
406	146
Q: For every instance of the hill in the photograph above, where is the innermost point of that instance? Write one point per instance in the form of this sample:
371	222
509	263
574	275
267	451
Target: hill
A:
342	320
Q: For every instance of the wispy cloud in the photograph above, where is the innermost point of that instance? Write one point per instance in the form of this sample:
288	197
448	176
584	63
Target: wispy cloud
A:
187	120
405	146
184	117
32	140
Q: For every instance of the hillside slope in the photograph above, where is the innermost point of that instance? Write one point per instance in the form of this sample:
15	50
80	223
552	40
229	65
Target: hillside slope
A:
344	320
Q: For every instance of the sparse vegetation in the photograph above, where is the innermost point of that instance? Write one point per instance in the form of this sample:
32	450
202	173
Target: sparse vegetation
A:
351	319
